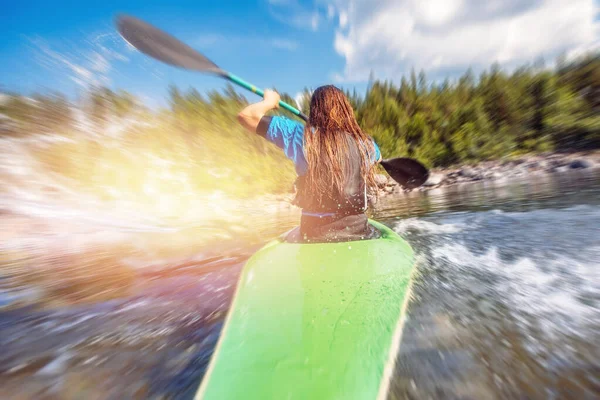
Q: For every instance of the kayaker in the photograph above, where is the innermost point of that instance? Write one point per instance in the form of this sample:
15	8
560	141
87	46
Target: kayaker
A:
334	161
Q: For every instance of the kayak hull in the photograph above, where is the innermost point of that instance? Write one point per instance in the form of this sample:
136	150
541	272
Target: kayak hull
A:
314	321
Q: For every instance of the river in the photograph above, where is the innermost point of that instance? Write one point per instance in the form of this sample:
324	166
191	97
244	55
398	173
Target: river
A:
506	304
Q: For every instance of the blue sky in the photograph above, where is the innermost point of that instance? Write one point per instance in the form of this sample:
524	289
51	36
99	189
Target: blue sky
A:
43	41
287	44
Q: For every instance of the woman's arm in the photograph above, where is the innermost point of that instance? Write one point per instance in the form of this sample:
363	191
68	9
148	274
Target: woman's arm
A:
250	116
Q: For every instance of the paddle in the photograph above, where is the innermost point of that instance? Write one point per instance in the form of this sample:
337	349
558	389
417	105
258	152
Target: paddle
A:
406	171
168	49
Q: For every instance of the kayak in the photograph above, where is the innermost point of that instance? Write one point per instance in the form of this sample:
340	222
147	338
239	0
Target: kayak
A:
314	321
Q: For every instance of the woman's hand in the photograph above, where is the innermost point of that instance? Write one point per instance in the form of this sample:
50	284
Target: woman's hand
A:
250	116
271	98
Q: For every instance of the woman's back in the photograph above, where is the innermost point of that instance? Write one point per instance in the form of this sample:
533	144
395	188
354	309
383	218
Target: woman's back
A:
334	160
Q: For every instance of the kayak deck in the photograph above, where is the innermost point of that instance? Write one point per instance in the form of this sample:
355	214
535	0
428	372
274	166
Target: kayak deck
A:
313	321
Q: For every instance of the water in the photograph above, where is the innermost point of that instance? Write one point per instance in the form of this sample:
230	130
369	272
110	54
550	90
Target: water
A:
506	305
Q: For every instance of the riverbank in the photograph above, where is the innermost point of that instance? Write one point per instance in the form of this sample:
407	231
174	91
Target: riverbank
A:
499	170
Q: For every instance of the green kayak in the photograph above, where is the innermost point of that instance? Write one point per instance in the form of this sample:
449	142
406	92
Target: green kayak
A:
314	321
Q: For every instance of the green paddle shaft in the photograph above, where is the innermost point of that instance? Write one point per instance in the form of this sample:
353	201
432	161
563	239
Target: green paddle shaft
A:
239	81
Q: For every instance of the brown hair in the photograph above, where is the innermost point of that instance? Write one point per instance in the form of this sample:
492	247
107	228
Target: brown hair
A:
326	147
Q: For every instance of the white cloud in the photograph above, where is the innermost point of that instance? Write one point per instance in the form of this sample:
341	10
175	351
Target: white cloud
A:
54	60
343	19
99	63
210	39
330	11
292	12
389	37
314	21
437	12
88	64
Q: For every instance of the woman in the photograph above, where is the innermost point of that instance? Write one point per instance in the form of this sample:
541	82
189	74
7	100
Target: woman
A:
334	160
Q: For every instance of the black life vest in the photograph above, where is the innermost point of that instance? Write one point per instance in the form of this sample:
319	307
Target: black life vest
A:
353	200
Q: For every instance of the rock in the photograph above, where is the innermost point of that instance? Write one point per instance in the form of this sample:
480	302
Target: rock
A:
470	173
434	179
511	163
554	164
381	180
466	172
578	164
397	189
486	173
543	164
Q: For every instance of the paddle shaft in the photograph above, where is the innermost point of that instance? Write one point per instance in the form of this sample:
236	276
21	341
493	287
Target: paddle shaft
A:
239	81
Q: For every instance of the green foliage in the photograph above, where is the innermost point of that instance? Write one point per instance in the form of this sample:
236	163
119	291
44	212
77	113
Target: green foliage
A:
470	119
118	151
36	114
497	115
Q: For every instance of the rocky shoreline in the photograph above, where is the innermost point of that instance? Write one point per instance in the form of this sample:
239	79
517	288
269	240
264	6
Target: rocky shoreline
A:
499	170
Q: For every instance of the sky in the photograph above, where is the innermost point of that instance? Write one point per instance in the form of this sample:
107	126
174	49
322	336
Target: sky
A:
284	44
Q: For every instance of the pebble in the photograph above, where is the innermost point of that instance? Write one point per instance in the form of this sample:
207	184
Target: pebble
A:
577	164
434	179
381	180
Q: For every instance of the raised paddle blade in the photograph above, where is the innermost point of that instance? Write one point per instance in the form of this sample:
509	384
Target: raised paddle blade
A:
407	172
162	46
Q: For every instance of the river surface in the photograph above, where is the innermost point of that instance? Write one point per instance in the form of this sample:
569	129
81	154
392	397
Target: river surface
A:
506	304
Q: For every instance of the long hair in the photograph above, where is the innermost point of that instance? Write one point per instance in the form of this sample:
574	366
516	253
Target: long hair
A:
331	124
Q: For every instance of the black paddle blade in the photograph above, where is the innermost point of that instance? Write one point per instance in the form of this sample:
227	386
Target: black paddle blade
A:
407	172
162	46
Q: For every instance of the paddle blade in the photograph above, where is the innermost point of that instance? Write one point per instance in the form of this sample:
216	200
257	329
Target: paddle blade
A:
162	46
407	172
